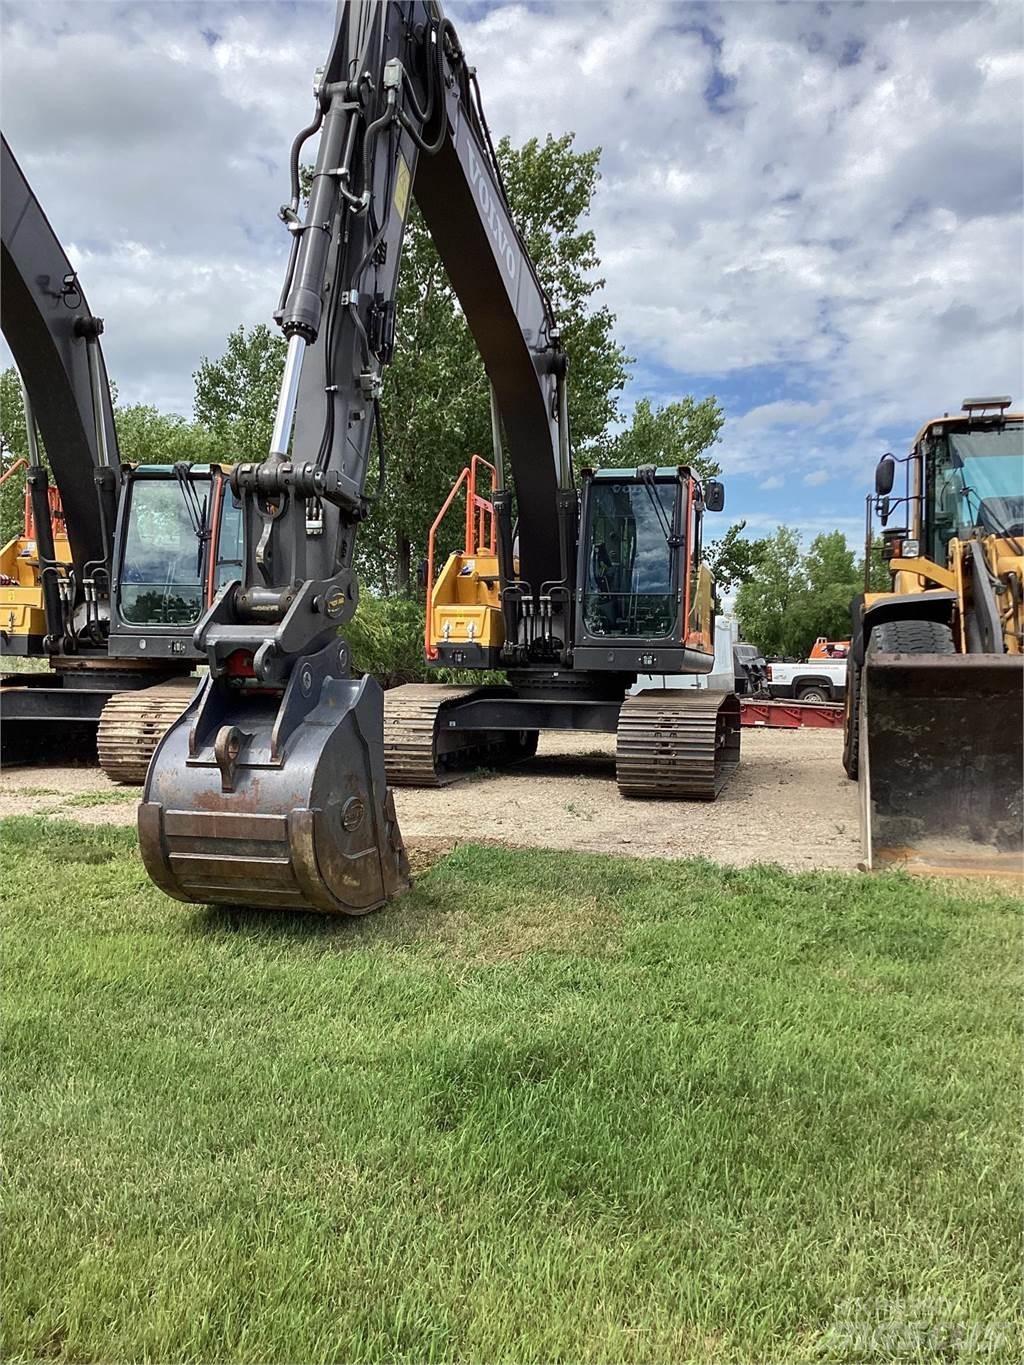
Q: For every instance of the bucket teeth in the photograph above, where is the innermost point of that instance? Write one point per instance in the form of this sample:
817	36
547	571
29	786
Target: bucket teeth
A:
679	745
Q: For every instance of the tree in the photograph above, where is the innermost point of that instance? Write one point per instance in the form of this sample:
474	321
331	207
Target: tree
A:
768	605
792	598
832	583
13	447
435	401
550	187
148	436
879	577
733	559
678	433
236	396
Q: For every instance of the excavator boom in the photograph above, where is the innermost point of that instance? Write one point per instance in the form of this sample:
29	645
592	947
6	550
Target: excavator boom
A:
271	788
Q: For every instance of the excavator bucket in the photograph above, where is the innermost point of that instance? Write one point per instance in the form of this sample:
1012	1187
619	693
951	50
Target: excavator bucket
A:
258	799
942	763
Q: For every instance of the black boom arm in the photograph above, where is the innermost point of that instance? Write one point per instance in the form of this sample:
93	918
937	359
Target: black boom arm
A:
398	114
54	338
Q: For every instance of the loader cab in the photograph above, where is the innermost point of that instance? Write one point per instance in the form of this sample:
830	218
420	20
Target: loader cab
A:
644	600
178	542
964	477
973	480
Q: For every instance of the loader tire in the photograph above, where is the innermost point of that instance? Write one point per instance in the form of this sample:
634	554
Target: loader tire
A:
911	637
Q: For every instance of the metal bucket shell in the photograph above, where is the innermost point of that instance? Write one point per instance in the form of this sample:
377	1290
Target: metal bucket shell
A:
942	763
301	818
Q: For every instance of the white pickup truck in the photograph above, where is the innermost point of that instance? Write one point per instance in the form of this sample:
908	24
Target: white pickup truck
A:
814	680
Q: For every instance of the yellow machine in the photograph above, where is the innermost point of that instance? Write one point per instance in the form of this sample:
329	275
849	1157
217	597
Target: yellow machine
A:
22	614
935	683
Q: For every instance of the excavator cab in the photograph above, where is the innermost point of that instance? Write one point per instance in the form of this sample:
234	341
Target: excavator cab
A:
630	588
178	541
645	600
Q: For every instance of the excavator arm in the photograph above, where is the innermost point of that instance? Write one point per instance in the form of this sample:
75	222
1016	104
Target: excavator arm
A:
271	788
396	115
55	340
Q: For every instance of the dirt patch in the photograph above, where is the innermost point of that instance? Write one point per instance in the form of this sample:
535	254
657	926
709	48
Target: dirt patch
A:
788	803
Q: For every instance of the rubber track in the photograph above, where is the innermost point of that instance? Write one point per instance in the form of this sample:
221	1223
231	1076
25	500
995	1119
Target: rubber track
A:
677	744
134	722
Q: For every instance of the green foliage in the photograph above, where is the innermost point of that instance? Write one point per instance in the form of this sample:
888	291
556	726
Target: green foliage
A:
435	401
879	576
236	395
386	639
550	187
792	597
767	604
680	433
147	436
546	1107
832	583
13	447
732	558
13	433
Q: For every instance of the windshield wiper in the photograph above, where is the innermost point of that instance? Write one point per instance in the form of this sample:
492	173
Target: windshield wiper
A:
196	509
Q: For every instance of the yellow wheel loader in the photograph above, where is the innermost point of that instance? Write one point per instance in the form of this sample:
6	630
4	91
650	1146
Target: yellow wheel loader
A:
935	681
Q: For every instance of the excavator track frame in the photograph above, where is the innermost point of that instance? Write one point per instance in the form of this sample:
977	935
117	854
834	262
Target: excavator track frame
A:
421	750
132	724
676	745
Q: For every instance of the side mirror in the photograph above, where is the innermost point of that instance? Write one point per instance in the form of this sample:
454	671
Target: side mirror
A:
714	496
885	475
883	509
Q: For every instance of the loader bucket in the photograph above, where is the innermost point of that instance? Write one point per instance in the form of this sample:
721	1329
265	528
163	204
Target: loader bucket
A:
942	763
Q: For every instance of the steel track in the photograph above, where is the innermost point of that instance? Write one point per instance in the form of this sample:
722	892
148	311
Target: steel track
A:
677	744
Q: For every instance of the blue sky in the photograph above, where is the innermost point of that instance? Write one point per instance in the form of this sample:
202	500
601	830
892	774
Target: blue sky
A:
810	210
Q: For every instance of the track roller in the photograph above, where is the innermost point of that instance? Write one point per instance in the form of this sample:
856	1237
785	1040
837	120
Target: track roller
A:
677	744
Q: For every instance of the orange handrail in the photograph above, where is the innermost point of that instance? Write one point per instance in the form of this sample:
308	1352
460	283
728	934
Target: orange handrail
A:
11	469
477	511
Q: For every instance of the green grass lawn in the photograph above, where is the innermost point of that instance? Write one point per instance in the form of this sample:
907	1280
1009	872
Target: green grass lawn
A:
546	1108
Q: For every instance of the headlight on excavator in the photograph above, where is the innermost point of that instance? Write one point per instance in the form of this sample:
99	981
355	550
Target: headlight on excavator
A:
910	549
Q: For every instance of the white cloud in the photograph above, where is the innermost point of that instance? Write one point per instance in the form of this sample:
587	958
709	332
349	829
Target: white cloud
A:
816	478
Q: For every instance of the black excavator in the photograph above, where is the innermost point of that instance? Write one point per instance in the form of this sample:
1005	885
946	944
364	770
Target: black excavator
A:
115	563
271	789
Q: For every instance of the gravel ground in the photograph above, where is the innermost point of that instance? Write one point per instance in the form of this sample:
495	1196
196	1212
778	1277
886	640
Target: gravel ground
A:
789	803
